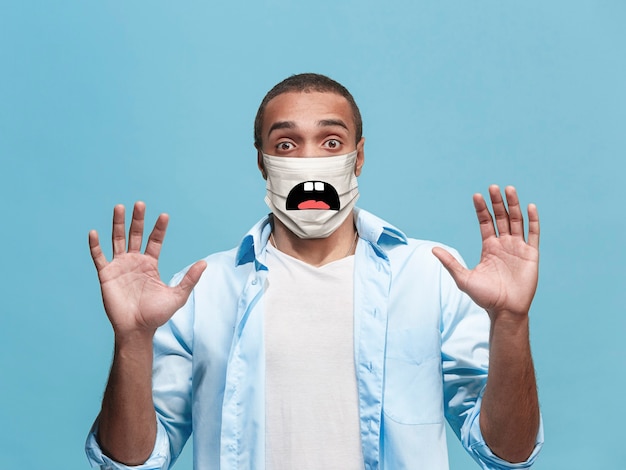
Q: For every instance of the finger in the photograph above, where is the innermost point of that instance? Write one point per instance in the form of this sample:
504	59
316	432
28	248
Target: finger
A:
155	240
119	230
456	269
499	210
190	280
485	220
135	234
516	219
96	251
533	226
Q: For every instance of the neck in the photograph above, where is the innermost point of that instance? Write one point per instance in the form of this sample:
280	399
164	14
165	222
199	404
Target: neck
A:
316	251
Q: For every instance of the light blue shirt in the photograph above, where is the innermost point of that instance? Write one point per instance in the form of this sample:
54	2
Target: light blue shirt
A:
421	354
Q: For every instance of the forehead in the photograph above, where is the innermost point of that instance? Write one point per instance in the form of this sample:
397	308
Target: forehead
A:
305	108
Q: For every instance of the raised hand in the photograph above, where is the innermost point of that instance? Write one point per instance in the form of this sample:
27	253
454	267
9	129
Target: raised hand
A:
135	299
505	279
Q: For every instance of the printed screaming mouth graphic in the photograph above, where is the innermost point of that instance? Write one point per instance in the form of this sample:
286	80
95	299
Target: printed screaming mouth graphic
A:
313	195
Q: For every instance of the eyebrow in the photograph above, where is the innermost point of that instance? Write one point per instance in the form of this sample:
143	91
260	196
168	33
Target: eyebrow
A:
332	123
292	125
281	125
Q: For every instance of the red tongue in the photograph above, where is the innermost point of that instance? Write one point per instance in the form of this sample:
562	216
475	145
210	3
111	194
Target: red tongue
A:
310	204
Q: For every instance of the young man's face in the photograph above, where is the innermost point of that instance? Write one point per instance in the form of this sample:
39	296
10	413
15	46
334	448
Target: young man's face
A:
312	124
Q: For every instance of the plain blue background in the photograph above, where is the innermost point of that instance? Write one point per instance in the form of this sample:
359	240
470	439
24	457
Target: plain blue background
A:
110	102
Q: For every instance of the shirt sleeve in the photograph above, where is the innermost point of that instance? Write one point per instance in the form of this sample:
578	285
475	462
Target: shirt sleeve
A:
473	441
159	459
465	358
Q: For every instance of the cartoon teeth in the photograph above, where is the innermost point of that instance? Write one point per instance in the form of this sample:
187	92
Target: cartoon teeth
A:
315	195
313	186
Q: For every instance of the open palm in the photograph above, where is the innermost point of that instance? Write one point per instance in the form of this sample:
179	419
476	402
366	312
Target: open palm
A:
135	298
505	279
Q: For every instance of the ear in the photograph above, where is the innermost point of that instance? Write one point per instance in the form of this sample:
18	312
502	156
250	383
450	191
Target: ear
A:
259	163
360	157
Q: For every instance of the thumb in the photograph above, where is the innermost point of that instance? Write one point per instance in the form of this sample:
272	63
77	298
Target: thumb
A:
456	269
191	278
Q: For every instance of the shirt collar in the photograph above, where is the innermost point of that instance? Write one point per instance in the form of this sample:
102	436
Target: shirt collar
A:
376	230
370	228
254	242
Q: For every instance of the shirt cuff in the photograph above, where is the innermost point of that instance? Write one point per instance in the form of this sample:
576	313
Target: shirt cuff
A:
473	441
158	460
480	451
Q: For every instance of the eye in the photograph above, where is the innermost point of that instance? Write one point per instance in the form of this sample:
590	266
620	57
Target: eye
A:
332	144
284	146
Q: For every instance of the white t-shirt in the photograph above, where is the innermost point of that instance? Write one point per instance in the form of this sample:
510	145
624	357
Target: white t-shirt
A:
312	416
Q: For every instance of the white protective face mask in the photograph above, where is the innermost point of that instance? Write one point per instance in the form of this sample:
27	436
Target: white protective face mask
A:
311	196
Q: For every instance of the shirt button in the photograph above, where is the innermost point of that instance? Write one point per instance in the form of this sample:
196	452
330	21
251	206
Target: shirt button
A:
254	281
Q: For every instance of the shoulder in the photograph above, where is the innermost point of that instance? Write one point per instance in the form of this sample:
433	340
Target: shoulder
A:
221	266
393	243
417	248
237	260
416	260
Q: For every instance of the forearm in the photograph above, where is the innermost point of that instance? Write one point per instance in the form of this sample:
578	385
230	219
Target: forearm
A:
509	418
127	422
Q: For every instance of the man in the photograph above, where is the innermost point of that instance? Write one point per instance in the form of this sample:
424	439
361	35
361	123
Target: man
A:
327	338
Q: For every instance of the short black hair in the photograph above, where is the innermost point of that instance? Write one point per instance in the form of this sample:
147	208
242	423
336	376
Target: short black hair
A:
306	82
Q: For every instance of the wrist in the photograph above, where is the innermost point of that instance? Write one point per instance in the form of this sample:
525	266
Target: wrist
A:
134	341
509	327
508	316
